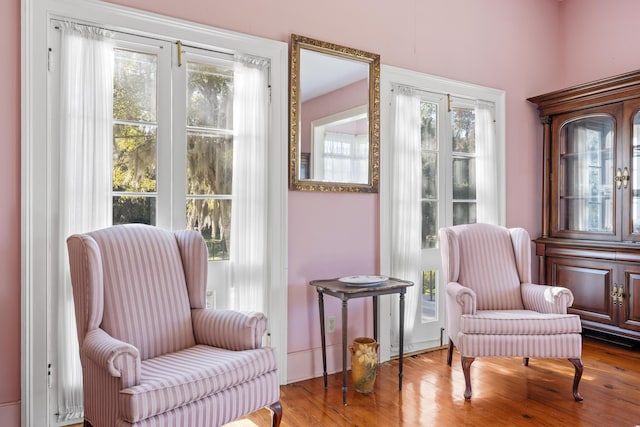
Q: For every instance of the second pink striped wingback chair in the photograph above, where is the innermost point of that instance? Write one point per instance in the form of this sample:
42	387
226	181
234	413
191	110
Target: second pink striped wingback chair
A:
492	307
151	353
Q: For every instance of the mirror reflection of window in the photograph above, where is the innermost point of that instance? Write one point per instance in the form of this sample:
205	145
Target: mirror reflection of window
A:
340	147
338	144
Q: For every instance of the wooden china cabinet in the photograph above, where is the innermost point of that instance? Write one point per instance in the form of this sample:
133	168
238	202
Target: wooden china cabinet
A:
590	239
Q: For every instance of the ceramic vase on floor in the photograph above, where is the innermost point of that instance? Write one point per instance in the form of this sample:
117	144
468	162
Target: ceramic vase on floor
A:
364	363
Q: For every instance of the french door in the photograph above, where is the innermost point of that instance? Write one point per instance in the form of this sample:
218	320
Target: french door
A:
461	152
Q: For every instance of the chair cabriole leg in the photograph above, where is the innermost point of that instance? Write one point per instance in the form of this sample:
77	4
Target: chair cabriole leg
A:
276	417
450	352
576	379
466	369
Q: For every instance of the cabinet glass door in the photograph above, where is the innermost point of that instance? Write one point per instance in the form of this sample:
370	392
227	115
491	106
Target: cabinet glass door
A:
586	172
629	168
634	178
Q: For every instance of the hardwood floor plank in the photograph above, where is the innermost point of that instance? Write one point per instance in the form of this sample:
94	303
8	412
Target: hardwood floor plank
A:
505	393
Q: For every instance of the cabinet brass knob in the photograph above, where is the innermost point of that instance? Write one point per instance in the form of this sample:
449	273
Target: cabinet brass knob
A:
617	294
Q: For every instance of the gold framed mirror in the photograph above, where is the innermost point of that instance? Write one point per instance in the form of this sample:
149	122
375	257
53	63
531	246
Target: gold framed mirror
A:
334	117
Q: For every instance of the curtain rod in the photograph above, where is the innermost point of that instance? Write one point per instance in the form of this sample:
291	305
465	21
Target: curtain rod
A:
145	35
432	92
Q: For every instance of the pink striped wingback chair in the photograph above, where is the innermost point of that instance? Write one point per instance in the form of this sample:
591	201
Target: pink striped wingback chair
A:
151	353
493	309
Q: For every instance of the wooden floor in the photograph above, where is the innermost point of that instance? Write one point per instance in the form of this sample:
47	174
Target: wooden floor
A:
505	393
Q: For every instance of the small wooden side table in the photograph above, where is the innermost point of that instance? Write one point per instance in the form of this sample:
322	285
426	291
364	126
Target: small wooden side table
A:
345	292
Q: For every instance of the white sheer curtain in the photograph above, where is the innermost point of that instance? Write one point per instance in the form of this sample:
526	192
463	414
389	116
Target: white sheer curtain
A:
486	164
406	185
248	252
345	157
86	91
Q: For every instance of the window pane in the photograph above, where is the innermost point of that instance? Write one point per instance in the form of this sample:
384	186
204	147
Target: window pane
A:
134	86
429	224
429	193
429	175
429	125
135	141
464	178
134	209
429	298
463	128
212	218
210	154
209	96
134	158
209	164
464	213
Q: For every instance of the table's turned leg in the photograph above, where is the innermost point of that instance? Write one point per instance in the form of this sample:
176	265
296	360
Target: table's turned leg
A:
401	340
322	336
344	352
375	318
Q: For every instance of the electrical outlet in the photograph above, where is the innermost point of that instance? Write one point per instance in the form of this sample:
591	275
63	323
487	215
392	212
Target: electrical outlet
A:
331	324
211	299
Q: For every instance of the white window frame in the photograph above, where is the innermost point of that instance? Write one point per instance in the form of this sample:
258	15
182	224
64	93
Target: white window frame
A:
389	76
35	239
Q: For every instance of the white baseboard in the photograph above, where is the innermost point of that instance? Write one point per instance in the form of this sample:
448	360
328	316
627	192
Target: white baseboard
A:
307	364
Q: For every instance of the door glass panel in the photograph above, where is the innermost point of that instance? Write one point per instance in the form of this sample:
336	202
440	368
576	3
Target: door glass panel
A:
135	86
135	137
209	139
463	133
635	178
429	147
134	209
429	297
586	171
210	95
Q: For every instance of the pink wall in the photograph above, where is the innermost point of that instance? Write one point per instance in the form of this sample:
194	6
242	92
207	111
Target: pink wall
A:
525	47
10	215
599	39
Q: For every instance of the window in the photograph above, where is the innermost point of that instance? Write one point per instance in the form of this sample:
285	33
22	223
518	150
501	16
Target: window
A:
203	95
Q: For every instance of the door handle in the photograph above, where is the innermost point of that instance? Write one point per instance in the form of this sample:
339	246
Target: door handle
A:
626	176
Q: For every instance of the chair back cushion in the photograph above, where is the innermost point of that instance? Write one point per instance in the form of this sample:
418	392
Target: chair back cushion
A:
482	257
146	303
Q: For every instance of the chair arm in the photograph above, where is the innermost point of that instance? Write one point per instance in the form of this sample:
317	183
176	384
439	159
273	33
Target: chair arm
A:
459	300
233	330
546	299
120	359
461	296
